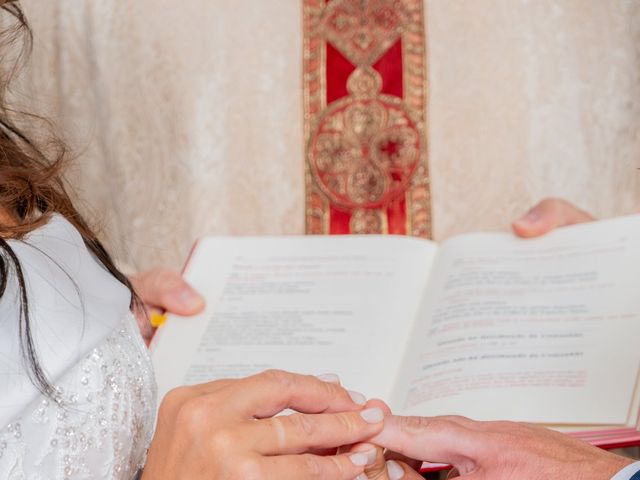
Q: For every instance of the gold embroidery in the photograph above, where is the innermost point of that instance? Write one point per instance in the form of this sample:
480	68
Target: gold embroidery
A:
368	149
364	150
363	30
367	221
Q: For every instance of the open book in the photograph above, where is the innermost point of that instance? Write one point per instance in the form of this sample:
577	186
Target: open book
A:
484	325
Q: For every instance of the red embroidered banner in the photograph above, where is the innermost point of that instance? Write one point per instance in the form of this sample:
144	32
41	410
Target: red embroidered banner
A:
365	108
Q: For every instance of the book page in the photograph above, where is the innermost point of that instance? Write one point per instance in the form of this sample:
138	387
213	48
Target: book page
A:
544	330
313	305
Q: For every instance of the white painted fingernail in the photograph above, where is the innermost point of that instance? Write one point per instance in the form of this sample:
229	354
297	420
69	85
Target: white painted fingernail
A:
394	470
371	456
329	378
362	476
372	415
358	398
358	459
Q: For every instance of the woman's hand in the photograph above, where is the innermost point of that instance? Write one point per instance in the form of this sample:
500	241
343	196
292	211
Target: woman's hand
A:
227	430
388	466
164	290
549	214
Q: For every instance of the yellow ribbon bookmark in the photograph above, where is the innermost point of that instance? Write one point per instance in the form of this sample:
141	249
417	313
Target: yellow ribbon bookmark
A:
157	319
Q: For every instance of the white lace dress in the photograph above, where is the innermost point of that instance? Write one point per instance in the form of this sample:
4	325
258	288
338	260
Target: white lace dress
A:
100	421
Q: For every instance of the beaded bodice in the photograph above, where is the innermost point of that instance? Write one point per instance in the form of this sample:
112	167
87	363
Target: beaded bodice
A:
100	424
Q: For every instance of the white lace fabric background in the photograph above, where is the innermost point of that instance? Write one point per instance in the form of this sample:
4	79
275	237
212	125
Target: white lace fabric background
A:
187	116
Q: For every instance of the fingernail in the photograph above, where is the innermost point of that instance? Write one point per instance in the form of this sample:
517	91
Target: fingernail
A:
372	415
358	459
189	298
362	476
329	378
532	217
371	456
394	470
358	398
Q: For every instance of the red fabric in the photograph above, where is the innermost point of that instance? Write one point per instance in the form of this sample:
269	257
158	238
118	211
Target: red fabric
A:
339	221
397	216
338	71
390	68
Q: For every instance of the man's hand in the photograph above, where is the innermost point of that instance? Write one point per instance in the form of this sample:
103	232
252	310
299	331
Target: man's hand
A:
164	290
497	450
549	214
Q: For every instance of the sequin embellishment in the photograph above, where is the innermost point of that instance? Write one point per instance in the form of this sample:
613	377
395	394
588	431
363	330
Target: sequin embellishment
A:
99	426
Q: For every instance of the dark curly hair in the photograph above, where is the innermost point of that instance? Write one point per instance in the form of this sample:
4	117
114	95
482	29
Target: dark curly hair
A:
32	187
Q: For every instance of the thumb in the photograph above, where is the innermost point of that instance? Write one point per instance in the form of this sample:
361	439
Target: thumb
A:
167	290
549	214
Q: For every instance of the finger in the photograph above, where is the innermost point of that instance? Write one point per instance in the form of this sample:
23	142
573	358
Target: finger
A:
547	215
377	466
401	471
167	290
301	467
376	402
329	378
323	452
298	433
269	393
417	464
460	420
398	457
431	439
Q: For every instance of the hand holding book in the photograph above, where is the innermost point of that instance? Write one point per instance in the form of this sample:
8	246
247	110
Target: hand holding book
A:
549	214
